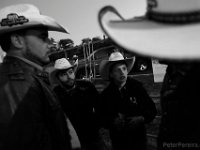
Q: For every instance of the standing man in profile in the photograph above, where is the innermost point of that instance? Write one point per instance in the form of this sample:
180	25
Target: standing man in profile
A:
30	116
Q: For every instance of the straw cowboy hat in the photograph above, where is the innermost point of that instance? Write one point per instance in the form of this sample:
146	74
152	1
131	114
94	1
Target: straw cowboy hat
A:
20	16
169	29
61	64
104	67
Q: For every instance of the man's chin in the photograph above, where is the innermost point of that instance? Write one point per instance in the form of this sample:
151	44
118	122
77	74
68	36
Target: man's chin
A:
45	61
123	79
69	85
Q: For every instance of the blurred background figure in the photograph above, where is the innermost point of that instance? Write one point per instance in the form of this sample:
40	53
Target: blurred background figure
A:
178	102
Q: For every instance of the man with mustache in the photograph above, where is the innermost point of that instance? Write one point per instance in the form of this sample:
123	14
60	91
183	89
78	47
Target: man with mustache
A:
78	99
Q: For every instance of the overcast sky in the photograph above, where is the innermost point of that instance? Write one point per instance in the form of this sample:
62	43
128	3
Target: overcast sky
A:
80	16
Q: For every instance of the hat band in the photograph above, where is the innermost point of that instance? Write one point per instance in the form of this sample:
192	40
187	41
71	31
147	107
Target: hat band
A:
174	18
13	19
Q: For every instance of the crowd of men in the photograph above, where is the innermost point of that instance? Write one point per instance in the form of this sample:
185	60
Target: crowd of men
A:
55	111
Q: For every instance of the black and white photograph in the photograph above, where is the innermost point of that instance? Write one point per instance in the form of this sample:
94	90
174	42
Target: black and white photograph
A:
99	74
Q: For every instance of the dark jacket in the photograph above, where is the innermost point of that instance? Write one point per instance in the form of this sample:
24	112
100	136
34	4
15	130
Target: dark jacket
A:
180	108
30	116
79	105
131	101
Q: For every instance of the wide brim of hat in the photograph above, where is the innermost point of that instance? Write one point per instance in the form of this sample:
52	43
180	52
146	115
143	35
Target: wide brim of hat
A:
149	38
36	21
104	67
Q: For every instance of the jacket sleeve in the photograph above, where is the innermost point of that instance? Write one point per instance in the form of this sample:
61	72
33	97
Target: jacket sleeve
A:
34	123
27	130
146	104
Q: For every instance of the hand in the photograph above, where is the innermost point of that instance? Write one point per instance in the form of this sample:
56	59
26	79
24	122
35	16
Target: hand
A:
119	122
134	122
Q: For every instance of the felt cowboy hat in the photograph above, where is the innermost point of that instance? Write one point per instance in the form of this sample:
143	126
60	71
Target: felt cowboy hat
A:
20	16
59	65
115	57
169	29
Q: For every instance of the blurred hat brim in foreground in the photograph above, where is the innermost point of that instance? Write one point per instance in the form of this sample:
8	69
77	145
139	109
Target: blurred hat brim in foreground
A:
152	38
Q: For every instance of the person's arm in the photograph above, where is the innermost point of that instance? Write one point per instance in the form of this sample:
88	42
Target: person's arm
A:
146	105
27	129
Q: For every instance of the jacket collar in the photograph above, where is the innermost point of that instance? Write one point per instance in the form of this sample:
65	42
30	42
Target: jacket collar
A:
15	67
34	65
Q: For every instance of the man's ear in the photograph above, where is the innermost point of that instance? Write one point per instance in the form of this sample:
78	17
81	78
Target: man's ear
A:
75	66
17	40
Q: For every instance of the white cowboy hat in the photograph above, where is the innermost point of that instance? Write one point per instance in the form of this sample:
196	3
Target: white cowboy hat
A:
104	67
20	16
170	29
60	64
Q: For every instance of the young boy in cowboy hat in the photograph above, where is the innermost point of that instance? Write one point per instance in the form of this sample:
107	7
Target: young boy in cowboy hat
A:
167	31
125	106
78	99
31	116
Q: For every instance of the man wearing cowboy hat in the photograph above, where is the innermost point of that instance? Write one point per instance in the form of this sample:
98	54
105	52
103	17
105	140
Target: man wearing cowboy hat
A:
169	30
125	106
31	116
78	99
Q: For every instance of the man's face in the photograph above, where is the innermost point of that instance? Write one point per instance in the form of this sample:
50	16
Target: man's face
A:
119	73
37	45
67	77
